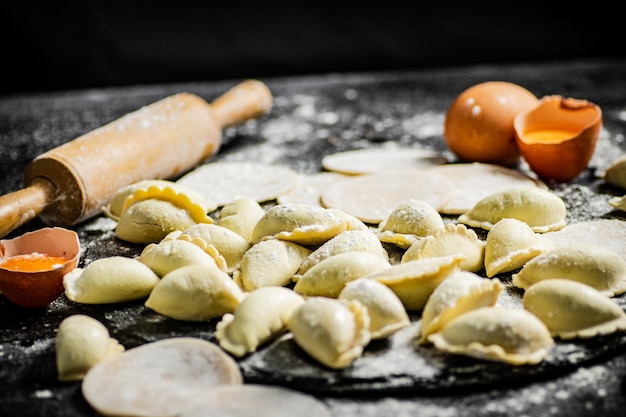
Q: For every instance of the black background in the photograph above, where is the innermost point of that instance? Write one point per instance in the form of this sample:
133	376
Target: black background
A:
90	43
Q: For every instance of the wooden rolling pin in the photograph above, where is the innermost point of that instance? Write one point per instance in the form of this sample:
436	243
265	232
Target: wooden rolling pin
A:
72	182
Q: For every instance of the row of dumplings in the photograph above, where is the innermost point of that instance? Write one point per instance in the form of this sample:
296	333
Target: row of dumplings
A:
326	277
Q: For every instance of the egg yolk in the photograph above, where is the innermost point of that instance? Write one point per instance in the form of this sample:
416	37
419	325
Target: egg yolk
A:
33	262
548	136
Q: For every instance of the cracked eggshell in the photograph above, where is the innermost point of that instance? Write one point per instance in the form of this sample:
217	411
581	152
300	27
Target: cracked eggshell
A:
28	278
558	137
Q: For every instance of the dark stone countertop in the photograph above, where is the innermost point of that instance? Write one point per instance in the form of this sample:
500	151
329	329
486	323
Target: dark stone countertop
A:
314	116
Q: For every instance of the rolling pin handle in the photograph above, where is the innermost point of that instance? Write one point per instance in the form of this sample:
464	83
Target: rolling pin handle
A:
22	206
247	100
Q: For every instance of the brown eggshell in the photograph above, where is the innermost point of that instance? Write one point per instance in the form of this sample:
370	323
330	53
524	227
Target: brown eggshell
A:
38	288
479	122
559	136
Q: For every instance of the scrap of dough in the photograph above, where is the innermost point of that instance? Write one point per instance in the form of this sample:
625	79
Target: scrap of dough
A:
255	400
222	182
608	233
371	160
159	378
372	197
474	181
309	188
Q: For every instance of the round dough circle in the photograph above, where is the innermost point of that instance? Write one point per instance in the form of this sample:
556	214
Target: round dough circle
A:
159	378
310	187
368	160
253	400
222	182
474	181
371	197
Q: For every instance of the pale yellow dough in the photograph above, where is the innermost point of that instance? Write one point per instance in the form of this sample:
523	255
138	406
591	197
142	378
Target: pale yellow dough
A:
386	311
166	256
195	293
510	244
459	293
224	245
408	222
414	281
299	223
270	262
82	342
114	279
541	209
158	379
240	216
608	233
333	332
348	241
449	240
571	309
370	160
590	264
309	188
261	316
225	181
328	277
473	181
615	174
116	206
372	197
255	400
501	334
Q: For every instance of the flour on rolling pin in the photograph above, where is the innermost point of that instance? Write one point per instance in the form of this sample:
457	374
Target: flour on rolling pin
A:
72	182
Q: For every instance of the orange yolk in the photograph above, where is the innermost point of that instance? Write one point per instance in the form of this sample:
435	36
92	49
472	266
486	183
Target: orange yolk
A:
548	136
33	262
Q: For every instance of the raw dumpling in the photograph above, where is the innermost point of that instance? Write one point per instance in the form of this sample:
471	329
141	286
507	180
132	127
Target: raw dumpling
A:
260	317
348	241
115	279
501	334
457	294
593	265
149	221
328	277
216	240
414	281
149	214
386	311
116	206
299	223
240	216
452	239
82	342
269	263
572	309
510	244
331	331
166	256
158	379
541	209
408	222
195	293
615	174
